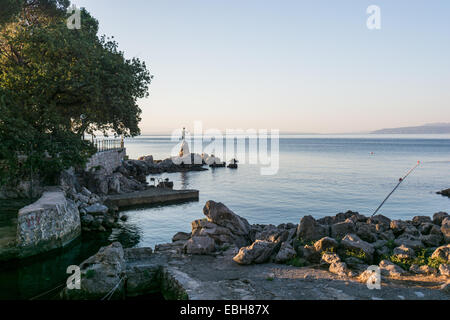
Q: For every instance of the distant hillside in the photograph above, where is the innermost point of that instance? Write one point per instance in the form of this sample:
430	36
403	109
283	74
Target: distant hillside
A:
434	128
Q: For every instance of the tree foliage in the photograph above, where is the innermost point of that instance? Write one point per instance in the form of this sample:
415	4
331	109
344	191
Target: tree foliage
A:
58	84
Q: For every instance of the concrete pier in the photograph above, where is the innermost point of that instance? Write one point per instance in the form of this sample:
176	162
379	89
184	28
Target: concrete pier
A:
152	196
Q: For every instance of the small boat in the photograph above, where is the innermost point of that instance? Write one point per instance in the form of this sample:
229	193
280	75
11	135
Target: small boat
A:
218	165
233	164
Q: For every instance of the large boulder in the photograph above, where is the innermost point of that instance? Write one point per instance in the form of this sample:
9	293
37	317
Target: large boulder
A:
199	245
219	214
259	252
326	244
367	232
390	269
101	274
442	253
409	241
445	229
96	209
51	222
310	230
439	217
219	234
418	220
329	258
286	253
341	269
355	244
341	229
403	252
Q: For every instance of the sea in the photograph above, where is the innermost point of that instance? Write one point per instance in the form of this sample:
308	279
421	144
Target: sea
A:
317	175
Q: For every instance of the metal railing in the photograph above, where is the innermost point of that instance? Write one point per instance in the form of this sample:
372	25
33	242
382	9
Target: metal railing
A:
108	144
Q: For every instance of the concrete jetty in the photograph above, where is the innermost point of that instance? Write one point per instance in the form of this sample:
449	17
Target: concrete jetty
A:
152	196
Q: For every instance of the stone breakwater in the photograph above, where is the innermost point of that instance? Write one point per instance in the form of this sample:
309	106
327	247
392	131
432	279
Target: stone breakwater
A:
247	261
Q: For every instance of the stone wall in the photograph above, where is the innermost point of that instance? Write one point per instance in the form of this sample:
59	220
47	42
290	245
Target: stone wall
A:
51	222
109	160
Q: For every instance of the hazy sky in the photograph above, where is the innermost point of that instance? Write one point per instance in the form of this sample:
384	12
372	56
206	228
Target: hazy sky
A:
297	66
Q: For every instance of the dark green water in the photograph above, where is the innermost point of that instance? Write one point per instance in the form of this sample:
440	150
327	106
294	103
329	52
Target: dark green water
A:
28	278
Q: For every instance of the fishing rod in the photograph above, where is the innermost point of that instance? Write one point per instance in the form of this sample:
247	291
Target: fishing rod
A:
396	187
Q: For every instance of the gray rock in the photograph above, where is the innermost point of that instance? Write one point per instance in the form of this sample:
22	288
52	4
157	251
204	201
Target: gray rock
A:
85	191
398	226
219	214
445	229
329	258
431	240
426	270
366	232
200	245
444	269
341	269
442	253
87	220
354	243
286	253
221	235
181	236
390	269
409	241
326	244
418	220
340	230
259	252
310	230
403	252
97	209
387	235
309	253
425	228
439	217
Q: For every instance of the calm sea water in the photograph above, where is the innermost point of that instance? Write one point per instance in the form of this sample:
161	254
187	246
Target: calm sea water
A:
318	176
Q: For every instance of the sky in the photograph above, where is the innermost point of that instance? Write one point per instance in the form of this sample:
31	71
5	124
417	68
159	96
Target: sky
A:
297	66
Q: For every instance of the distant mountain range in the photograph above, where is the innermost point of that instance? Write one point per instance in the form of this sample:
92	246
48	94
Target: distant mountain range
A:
432	128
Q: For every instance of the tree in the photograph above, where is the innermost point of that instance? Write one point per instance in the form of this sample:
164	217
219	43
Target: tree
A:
59	84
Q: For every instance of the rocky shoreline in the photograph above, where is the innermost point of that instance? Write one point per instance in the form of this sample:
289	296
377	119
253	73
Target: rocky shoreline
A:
340	248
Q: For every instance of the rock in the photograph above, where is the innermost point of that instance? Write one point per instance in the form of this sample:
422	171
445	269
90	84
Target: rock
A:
309	253
353	243
412	231
446	287
181	236
326	244
329	258
220	234
379	244
310	230
87	220
439	217
82	198
49	223
442	253
199	245
431	240
85	191
147	159
101	274
418	220
426	270
124	217
219	214
366	232
286	253
398	226
425	228
403	252
353	262
97	209
387	235
390	269
340	230
444	269
259	252
341	269
445	229
409	241
114	184
383	222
